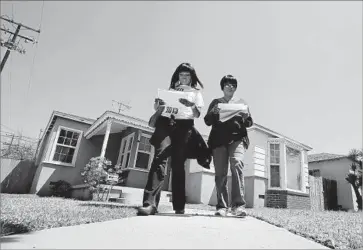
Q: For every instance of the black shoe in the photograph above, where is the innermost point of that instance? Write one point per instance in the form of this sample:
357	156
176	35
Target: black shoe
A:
149	210
179	211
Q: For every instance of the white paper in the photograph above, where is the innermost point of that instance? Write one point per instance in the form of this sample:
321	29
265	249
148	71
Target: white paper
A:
171	97
233	107
172	103
229	110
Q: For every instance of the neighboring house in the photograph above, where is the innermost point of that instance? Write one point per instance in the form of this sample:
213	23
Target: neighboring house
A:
276	169
335	167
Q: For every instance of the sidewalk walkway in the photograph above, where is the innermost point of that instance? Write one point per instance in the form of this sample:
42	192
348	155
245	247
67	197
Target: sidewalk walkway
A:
166	230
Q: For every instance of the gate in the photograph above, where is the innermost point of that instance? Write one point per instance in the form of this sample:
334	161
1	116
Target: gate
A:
316	193
330	194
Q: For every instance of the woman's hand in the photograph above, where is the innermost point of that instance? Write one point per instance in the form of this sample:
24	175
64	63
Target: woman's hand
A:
161	108
186	102
159	101
244	115
215	110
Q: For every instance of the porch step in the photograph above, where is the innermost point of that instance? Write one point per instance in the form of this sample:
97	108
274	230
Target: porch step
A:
118	200
133	196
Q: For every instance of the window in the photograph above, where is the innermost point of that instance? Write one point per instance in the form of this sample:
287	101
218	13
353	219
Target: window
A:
144	152
66	146
293	168
275	165
125	151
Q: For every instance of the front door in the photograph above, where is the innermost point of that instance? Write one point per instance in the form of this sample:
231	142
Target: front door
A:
125	151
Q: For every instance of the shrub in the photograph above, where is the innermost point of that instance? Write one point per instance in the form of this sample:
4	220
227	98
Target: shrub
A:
60	188
97	171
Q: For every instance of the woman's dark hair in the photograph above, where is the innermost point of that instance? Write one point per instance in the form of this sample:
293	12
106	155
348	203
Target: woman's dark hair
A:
228	79
185	67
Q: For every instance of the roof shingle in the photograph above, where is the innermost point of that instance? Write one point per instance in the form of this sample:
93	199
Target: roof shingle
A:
324	157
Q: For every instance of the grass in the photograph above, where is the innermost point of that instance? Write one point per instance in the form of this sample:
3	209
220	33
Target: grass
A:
26	213
336	230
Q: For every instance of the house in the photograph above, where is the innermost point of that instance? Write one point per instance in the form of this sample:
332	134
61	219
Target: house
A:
276	167
335	167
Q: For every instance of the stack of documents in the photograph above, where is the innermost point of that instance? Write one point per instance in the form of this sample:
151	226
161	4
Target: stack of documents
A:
229	110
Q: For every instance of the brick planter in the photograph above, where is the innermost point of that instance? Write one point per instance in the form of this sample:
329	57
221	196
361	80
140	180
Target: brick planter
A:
287	199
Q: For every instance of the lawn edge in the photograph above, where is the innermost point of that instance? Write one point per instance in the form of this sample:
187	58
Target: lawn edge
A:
293	231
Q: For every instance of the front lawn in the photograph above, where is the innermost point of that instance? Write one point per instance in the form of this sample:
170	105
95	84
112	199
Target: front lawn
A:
338	230
25	213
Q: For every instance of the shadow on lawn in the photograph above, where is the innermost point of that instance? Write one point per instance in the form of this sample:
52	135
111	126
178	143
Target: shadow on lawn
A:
11	228
107	205
9	239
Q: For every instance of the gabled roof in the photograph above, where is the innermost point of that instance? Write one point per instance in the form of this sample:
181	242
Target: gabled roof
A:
271	132
56	114
324	157
124	119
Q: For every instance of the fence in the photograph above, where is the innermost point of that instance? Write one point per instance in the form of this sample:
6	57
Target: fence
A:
316	193
18	147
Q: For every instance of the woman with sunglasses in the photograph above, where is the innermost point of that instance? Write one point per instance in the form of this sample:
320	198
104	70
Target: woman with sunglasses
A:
228	141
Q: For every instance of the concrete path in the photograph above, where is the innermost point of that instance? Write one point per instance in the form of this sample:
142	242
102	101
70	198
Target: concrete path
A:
164	231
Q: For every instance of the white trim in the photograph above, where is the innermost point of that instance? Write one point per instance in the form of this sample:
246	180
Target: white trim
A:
106	137
137	147
126	140
137	169
275	141
50	160
268	131
302	182
121	119
58	163
296	191
52	121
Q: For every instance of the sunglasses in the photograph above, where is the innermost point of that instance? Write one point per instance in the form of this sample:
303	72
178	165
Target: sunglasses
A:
230	85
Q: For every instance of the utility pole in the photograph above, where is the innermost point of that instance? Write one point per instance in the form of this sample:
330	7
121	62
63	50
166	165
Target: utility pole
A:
39	139
10	44
120	105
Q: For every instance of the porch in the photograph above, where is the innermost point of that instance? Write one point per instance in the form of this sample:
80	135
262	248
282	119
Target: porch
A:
125	142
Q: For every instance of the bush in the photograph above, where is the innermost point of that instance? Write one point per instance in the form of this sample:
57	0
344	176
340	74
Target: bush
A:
60	188
97	172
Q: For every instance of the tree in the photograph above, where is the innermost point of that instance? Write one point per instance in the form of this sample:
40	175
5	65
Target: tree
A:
354	176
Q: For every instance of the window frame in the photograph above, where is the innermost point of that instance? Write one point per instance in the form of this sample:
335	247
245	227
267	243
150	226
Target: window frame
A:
124	143
55	143
301	155
274	164
151	153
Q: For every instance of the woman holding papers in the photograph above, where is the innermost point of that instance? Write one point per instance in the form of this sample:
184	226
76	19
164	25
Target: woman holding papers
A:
228	139
173	130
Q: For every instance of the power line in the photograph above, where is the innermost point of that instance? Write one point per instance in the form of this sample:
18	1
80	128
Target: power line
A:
26	138
32	66
7	127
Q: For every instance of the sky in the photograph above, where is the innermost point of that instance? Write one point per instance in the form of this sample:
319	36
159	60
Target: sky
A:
298	63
